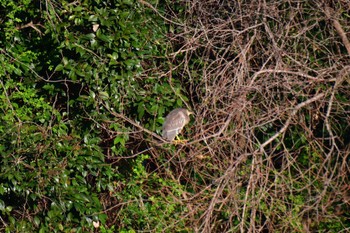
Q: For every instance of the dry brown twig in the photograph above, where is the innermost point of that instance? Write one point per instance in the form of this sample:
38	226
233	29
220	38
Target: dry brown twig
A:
262	72
32	25
291	116
331	14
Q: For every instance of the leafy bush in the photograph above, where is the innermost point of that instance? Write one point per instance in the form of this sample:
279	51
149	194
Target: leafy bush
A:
64	67
85	86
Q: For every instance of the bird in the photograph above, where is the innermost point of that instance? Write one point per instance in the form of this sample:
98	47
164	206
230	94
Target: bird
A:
174	123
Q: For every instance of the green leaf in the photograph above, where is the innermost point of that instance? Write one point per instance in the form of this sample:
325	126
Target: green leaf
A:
37	221
2	205
104	95
93	18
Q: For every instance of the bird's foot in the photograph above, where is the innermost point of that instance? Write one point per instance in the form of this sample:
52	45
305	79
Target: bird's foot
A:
180	141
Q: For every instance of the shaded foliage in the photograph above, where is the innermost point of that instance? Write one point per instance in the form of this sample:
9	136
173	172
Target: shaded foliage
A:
64	67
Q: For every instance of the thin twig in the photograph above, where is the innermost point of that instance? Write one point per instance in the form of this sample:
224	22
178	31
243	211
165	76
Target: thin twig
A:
331	15
287	123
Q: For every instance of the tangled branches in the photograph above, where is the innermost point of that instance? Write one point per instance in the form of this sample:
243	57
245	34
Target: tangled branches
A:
269	84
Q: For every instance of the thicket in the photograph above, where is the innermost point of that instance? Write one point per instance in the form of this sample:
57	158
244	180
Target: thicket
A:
85	86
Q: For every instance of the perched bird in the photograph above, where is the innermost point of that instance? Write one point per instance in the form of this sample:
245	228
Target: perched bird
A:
174	122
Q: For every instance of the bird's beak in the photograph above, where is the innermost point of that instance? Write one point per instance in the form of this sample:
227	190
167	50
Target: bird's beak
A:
190	113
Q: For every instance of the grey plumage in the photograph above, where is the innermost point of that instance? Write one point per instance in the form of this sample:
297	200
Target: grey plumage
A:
174	123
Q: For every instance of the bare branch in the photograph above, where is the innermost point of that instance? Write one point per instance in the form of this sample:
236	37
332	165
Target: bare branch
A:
287	123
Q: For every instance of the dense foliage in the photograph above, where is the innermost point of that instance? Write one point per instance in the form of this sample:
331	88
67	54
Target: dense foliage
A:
64	66
85	86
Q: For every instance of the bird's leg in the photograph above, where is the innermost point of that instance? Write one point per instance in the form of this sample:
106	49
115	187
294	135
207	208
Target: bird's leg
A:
180	141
